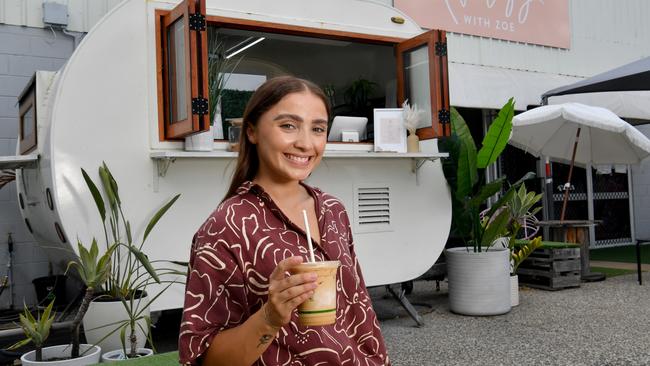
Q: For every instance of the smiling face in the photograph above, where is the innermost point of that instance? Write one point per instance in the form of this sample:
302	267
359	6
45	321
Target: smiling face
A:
290	138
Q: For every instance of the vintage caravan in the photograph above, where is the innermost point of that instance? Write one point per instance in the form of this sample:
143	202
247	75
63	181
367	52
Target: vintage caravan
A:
138	84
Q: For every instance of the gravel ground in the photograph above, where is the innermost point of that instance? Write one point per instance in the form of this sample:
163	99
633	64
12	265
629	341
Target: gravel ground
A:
600	323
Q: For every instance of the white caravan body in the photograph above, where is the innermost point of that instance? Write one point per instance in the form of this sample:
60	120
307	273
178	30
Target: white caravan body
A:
102	106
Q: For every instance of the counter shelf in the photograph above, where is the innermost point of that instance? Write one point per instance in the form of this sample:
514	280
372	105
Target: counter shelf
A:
164	159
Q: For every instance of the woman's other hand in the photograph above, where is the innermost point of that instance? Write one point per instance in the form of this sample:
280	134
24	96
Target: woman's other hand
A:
287	292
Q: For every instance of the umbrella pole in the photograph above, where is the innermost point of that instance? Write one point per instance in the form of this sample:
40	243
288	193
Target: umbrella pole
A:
568	184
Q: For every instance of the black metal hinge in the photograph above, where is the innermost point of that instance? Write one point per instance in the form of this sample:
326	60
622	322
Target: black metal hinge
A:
197	22
443	116
199	106
441	48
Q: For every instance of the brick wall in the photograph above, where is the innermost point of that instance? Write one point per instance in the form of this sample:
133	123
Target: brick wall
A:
23	50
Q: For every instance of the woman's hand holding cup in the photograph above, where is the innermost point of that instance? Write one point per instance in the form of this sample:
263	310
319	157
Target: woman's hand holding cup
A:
287	292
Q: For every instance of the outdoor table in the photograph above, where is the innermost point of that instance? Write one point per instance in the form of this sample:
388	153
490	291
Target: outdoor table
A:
575	231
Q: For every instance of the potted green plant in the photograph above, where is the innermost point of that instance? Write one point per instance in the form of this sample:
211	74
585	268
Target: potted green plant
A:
37	330
357	96
478	271
120	315
93	271
220	68
518	253
522	211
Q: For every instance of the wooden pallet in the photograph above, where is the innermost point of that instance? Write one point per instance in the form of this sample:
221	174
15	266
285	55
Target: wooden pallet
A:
551	268
555	253
565	280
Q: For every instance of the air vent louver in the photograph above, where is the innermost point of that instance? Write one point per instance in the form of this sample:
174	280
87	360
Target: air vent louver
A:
373	208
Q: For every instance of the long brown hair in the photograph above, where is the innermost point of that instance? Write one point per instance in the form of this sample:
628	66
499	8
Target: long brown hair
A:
265	97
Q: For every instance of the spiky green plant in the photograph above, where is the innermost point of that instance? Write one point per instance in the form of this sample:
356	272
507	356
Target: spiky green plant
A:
521	206
220	68
36	329
94	271
131	271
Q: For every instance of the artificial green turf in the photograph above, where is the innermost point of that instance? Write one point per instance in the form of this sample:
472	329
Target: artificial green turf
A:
549	244
612	272
161	359
625	254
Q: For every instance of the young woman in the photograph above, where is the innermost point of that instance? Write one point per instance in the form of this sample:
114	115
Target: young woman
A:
240	300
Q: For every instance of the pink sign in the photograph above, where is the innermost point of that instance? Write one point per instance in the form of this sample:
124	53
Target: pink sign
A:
543	22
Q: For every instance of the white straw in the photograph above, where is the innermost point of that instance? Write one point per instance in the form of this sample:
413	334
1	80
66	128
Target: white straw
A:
311	248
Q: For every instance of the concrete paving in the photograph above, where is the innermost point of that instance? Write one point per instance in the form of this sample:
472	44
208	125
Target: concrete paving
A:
600	323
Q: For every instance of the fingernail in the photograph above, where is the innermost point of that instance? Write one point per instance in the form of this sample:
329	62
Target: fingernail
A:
313	276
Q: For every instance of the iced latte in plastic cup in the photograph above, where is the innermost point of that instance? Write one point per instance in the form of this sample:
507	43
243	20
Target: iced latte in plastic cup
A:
320	309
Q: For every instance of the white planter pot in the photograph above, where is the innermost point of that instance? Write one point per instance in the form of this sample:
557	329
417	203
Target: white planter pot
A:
202	141
479	283
90	357
101	313
118	355
514	290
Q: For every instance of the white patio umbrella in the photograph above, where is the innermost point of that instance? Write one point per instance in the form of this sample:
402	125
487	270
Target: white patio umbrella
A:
578	133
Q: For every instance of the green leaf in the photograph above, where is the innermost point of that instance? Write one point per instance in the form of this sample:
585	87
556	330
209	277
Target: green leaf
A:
123	339
497	136
157	216
487	191
97	197
495	228
19	344
466	175
106	183
128	232
113	184
48	310
145	262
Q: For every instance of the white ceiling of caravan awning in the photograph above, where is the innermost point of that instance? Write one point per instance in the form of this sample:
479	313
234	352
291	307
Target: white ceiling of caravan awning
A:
476	86
633	104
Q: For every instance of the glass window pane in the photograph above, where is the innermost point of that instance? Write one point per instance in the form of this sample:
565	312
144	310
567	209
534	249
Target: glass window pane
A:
27	121
176	71
416	83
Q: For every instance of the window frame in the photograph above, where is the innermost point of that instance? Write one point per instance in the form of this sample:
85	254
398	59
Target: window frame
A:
436	43
196	69
438	84
27	100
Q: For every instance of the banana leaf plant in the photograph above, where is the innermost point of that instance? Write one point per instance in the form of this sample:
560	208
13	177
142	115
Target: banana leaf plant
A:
464	171
36	329
131	271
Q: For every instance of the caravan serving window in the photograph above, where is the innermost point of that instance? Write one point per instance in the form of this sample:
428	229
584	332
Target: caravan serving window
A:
358	72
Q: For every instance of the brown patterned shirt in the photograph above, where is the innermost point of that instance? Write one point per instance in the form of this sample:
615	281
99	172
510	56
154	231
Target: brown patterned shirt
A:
232	257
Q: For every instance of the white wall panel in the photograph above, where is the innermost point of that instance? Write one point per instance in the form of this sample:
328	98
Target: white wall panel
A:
33	16
13	11
604	34
83	14
77	17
